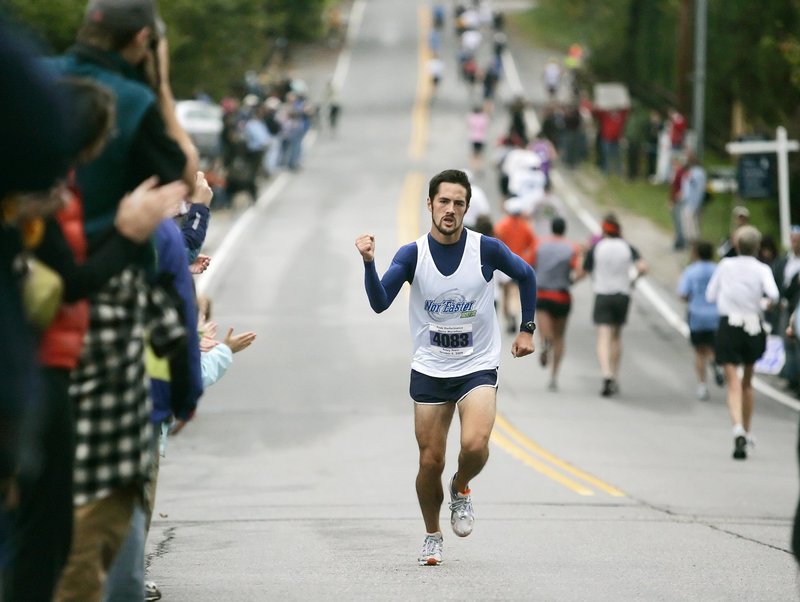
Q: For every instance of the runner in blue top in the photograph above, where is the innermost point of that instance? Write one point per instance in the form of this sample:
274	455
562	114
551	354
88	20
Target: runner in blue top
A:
703	315
456	343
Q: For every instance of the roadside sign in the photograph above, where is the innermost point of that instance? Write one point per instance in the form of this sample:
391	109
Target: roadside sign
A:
755	173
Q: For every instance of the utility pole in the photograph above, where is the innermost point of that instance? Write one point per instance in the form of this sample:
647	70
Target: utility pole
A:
699	96
683	57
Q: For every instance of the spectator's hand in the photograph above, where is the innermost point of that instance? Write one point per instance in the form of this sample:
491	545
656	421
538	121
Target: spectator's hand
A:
523	345
202	191
209	329
200	264
207	344
140	212
239	341
366	246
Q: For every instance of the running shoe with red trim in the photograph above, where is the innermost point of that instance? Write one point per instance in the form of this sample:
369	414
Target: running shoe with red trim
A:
431	554
462	515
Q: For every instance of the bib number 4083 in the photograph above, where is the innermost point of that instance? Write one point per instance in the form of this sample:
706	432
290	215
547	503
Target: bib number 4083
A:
442	339
451	340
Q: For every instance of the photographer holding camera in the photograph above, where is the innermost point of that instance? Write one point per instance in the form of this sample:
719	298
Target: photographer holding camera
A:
120	45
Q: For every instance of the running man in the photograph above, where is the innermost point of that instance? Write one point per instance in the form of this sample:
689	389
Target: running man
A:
739	286
558	266
610	262
457	343
703	316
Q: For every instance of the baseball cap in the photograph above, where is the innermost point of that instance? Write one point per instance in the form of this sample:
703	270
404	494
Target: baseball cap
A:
740	211
125	15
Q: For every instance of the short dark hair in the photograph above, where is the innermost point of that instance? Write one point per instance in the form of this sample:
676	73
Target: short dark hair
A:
451	176
704	250
92	110
558	226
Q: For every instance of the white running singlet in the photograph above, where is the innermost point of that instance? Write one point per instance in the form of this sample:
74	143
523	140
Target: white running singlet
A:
452	318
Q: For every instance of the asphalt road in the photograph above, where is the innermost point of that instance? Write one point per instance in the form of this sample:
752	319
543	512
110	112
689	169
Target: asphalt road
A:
295	481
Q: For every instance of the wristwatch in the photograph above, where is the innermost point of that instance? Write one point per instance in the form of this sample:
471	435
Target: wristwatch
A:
529	327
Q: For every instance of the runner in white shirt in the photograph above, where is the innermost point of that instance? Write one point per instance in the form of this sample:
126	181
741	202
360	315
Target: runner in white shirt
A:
739	287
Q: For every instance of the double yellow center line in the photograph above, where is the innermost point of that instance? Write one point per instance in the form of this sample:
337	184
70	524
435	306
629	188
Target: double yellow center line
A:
419	115
532	454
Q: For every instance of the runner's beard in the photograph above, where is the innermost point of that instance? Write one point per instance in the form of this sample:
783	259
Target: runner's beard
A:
447	230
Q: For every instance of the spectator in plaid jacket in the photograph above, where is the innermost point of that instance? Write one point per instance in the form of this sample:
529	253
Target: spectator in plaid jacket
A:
42	524
109	387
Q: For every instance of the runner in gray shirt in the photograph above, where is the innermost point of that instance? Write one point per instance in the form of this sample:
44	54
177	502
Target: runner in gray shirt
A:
558	265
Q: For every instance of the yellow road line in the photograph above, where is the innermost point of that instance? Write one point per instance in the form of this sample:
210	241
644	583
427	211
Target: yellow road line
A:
419	114
539	466
408	208
533	447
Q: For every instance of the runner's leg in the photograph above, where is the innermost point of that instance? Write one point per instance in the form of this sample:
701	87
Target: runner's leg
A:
431	423
615	350
559	328
604	335
477	413
748	399
734	396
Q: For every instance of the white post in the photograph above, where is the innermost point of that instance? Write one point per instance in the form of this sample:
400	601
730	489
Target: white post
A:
782	147
783	184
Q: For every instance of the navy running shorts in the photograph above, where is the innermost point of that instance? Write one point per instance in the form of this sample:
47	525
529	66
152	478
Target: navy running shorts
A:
435	390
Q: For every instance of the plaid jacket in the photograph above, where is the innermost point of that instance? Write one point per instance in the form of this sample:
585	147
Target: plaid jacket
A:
110	389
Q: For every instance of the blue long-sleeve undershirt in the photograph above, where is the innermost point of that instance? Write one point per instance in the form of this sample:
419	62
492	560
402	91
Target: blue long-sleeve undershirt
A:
495	255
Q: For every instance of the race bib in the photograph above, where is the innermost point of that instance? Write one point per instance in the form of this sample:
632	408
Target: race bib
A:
451	340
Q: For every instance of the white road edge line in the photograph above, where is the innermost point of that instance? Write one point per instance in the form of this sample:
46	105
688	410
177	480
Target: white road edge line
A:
644	287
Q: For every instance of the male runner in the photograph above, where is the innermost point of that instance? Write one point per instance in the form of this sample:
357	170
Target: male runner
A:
558	267
456	343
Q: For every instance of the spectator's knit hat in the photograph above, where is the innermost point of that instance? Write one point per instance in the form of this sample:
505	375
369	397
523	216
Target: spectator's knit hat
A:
125	15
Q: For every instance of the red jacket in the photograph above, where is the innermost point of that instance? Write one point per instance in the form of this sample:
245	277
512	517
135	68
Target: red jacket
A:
60	345
612	124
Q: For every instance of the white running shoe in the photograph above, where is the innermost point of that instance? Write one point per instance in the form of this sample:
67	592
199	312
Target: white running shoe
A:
431	554
462	515
702	392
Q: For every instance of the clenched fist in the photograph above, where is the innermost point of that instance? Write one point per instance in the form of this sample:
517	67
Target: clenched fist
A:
366	246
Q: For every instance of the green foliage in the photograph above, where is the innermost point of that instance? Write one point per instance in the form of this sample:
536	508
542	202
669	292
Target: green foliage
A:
212	42
753	52
747	60
54	21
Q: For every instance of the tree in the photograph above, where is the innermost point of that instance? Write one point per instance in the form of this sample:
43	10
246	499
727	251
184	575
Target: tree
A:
212	42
